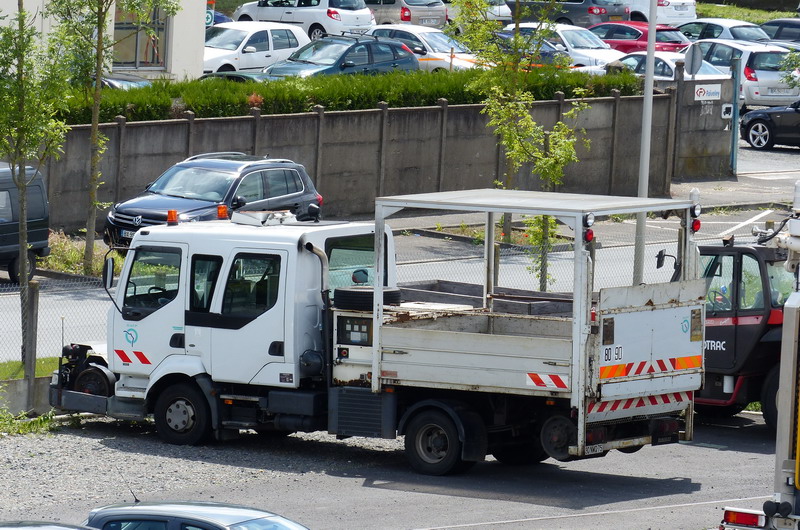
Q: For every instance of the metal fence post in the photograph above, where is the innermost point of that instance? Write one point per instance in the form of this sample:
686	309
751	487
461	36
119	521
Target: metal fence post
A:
29	350
118	179
189	132
442	140
382	154
256	113
320	110
612	169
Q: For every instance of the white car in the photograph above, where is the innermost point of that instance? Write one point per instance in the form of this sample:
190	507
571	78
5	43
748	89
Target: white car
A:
759	69
432	46
664	67
234	46
584	47
672	12
316	17
723	28
498	10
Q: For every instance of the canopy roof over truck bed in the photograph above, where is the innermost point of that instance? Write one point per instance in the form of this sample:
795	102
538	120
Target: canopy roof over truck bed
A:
530	202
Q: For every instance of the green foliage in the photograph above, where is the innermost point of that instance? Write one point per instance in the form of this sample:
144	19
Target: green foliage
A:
221	98
756	16
21	424
14	369
66	255
540	231
791	69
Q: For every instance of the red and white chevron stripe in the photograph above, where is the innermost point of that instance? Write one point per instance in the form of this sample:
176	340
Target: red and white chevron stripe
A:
553	381
633	403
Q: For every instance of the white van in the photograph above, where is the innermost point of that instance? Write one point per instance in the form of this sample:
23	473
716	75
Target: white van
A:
673	12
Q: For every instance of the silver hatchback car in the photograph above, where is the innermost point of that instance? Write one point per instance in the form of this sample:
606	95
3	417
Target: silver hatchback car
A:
759	70
582	13
430	13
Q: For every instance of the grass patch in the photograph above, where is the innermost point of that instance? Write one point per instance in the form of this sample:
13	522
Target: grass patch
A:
14	369
21	424
756	16
66	255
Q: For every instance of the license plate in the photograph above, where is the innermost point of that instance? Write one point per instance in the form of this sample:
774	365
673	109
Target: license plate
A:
615	17
127	234
429	21
780	91
594	449
681	8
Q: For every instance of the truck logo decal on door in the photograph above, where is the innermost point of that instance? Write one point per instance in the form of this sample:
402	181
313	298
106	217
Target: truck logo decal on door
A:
548	381
126	359
647	367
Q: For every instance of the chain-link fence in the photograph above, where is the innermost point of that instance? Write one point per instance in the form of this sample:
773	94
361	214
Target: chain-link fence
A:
75	309
70	310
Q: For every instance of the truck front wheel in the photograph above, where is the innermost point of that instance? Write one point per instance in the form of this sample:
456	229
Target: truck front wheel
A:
182	415
432	445
769	397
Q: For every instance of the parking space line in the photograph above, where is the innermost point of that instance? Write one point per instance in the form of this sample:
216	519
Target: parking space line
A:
595	514
745	223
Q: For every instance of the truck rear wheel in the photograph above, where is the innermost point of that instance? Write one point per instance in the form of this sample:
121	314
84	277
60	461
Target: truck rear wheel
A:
432	445
769	397
182	415
93	381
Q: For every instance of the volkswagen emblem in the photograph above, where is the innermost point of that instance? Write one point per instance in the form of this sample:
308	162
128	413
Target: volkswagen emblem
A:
137	221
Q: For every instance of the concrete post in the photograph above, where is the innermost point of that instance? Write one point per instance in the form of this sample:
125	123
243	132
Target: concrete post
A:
320	110
672	132
189	133
379	192
442	142
121	122
31	325
612	171
256	113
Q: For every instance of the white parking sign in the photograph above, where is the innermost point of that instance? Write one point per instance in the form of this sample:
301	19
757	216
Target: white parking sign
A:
209	17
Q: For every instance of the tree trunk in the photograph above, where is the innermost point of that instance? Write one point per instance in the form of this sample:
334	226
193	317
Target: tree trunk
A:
21	182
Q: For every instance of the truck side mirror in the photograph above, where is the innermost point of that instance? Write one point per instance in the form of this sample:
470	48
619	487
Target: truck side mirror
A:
660	258
238	202
108	273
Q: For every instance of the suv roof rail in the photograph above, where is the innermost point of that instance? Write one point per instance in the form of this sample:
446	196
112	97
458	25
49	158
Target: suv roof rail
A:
218	154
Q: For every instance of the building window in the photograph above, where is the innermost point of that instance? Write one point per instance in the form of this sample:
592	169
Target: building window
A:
134	47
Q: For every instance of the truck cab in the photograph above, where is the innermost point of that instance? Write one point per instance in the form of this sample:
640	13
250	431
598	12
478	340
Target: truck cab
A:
747	286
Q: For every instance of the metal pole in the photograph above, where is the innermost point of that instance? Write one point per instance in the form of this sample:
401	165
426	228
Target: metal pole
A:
735	116
31	323
644	149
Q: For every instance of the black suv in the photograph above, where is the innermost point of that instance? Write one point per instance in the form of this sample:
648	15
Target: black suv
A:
196	186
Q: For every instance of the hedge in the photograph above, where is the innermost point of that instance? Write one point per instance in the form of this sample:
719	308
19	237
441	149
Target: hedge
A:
220	98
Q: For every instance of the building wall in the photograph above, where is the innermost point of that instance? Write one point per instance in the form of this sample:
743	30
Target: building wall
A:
355	156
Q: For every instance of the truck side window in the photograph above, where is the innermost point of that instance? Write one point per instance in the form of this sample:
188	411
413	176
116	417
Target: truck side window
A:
252	285
154	278
351	261
718	272
751	289
781	283
5	207
205	271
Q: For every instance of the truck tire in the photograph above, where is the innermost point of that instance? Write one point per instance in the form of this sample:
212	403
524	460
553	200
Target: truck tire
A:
769	397
93	381
182	415
359	298
523	454
432	445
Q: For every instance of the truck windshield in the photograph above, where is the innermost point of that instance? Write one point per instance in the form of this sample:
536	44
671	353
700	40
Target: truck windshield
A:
351	260
154	278
781	282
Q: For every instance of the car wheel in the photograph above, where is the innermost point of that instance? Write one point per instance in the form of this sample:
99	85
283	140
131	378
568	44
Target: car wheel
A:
245	18
226	68
564	21
638	17
13	267
316	32
182	415
759	135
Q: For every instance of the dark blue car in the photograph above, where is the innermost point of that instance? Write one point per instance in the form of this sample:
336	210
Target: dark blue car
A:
346	55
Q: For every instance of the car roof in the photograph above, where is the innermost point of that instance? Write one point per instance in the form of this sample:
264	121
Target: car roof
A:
643	26
231	161
792	21
727	22
556	27
745	45
413	28
213	512
253	25
672	56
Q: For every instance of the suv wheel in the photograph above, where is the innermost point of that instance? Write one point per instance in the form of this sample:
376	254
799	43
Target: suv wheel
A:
13	267
759	135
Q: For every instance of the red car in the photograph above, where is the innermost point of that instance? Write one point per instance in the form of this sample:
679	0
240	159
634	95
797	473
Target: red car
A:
631	36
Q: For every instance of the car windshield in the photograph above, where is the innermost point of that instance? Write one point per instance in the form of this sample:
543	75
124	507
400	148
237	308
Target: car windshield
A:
751	33
441	43
706	68
275	522
224	38
671	35
193	183
582	38
348	5
320	52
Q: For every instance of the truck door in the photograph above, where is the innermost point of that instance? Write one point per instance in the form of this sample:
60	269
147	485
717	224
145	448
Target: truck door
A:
720	341
150	325
245	329
753	306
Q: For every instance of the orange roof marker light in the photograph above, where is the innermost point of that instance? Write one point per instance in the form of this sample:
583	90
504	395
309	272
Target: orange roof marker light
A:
172	217
222	211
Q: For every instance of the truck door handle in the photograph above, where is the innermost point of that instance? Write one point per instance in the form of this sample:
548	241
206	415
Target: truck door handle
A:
177	340
276	349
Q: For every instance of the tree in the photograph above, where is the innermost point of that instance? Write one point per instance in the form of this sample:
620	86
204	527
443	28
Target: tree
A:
88	22
32	87
790	67
508	62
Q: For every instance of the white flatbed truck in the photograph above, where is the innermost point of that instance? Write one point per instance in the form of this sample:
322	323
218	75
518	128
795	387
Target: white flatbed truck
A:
223	326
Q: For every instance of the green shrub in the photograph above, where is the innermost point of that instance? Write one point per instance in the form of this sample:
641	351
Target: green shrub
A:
756	16
221	98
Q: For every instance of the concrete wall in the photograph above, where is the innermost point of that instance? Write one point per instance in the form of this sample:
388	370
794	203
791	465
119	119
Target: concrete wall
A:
358	155
14	395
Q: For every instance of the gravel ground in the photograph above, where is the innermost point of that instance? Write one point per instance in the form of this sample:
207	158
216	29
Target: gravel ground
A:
103	460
